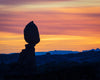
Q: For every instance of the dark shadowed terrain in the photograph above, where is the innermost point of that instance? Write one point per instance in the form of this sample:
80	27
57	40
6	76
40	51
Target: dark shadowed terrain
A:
74	66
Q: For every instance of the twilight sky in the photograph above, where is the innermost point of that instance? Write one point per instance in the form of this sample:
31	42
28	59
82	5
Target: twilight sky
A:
63	24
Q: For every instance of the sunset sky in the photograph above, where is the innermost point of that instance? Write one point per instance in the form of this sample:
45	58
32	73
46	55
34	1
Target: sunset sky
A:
63	24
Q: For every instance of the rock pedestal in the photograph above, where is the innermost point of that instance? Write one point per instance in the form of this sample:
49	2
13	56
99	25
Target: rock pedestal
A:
27	60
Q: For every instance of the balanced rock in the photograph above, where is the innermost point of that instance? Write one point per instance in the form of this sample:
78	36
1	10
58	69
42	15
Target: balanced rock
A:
31	34
27	63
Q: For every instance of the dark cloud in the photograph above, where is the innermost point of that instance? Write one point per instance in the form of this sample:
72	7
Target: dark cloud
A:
90	14
66	13
94	15
50	23
10	30
13	2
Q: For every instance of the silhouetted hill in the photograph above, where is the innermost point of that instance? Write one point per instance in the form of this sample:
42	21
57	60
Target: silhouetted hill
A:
83	65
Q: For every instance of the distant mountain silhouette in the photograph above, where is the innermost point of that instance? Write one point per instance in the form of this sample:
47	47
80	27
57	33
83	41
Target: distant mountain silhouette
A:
11	58
81	65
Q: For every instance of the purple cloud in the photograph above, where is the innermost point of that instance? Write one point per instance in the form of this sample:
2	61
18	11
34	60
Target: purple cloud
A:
50	23
94	15
13	2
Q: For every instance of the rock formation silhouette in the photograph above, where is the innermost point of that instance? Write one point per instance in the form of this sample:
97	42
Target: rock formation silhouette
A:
27	56
31	34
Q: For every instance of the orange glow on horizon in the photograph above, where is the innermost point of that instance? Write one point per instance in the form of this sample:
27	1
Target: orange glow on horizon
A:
15	43
79	10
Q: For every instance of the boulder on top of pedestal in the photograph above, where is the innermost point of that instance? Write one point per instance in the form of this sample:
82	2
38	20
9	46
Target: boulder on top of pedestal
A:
31	34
